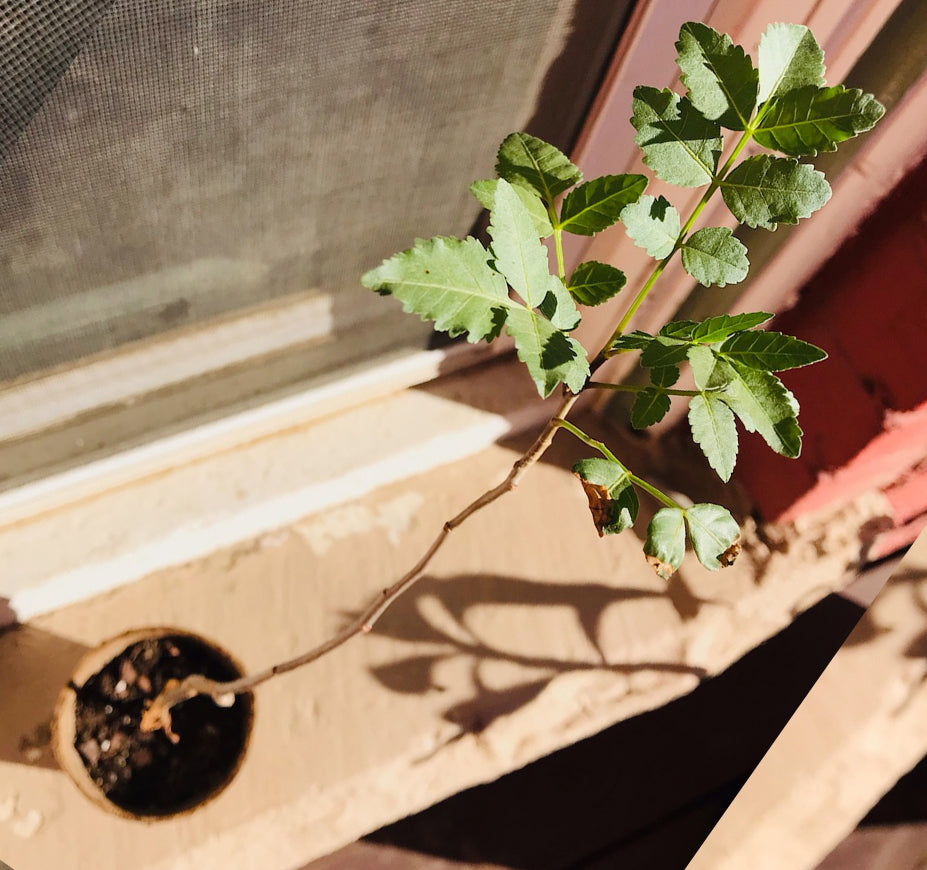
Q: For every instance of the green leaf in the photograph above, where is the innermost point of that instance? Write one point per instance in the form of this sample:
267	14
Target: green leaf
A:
485	192
612	499
519	254
771	351
666	541
527	160
789	57
764	191
652	224
680	145
709	372
597	204
714	534
551	356
650	406
636	340
664	351
713	256
593	283
809	120
758	398
720	76
714	430
718	328
558	306
678	329
448	281
664	376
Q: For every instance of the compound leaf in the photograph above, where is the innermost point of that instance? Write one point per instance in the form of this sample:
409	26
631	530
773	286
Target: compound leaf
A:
714	534
680	145
527	160
636	340
789	57
714	430
652	224
678	329
485	192
665	544
764	191
809	120
612	499
720	76
552	357
650	406
558	306
448	281
757	397
720	327
664	376
713	256
593	283
519	254
597	204
770	351
663	351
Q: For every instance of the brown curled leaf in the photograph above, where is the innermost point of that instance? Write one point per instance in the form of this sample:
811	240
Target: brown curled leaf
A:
729	556
664	569
600	504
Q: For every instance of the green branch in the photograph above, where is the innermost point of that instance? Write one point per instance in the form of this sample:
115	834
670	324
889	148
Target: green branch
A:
587	440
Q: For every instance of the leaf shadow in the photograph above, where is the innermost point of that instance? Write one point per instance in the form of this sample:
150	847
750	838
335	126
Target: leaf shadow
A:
450	639
557	351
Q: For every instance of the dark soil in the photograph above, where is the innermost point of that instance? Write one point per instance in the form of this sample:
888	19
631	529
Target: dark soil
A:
144	772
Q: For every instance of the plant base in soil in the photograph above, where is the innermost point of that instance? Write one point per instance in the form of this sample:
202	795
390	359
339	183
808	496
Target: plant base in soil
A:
145	773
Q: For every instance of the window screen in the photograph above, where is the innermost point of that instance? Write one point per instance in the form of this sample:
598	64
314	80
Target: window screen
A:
167	162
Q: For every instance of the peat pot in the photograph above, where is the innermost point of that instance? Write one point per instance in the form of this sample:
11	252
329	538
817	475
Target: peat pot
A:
145	775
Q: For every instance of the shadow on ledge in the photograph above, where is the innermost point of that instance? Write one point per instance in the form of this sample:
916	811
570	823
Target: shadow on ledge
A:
447	630
643	794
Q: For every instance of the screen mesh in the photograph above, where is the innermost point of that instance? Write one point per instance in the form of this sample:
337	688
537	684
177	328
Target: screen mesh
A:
167	161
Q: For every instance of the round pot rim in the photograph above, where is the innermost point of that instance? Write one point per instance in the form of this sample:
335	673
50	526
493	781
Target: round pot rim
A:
63	725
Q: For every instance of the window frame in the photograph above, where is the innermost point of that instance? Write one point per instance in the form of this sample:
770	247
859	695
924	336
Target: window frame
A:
44	523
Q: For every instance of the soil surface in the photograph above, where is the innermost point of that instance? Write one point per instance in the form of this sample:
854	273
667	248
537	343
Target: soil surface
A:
144	772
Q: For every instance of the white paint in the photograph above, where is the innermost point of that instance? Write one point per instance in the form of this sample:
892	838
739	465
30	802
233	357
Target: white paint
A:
28	824
206	533
205	440
394	517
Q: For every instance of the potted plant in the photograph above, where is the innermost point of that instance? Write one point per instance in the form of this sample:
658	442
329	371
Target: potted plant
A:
741	132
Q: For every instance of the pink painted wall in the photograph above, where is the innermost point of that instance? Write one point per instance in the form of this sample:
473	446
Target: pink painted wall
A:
864	410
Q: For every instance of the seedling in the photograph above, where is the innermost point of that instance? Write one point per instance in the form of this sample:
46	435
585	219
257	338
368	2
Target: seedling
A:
781	105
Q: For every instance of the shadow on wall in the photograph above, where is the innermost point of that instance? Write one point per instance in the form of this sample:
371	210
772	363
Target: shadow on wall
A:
34	665
447	629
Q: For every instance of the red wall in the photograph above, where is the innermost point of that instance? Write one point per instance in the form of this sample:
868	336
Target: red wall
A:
864	409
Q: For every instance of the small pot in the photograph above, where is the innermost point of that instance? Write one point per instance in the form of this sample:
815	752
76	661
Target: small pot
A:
145	775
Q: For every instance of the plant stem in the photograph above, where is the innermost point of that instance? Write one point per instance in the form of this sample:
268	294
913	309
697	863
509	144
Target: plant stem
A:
586	439
158	714
659	495
558	241
656	493
699	206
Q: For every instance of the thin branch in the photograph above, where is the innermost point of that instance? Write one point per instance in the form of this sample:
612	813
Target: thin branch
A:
158	715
